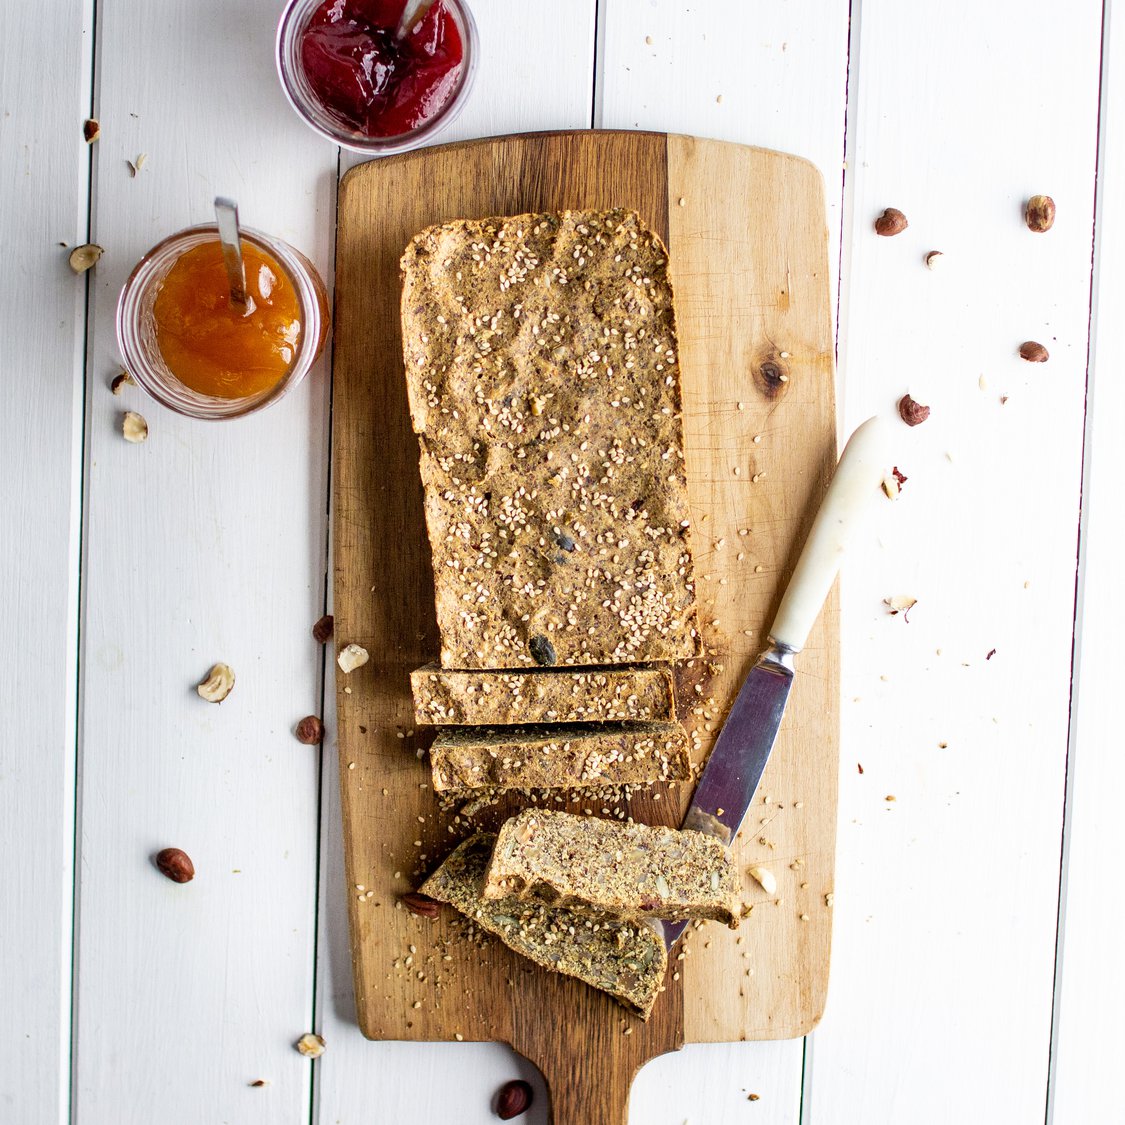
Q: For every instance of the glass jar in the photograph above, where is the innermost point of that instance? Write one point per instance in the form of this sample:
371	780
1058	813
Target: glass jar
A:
137	334
295	20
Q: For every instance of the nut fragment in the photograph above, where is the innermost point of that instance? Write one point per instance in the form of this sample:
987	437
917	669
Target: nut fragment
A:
134	428
764	877
911	412
1040	213
352	657
310	1045
175	864
422	905
217	686
900	603
513	1099
120	380
933	259
136	165
310	731
322	630
892	221
91	130
1033	352
83	257
892	485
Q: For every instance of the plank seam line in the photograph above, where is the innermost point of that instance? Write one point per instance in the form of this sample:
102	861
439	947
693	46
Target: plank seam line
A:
851	62
1080	564
597	93
69	1096
325	670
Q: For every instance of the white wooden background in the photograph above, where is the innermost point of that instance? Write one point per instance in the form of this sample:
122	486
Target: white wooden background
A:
977	974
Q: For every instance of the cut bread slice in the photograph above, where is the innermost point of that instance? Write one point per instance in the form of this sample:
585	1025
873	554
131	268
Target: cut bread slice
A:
563	757
587	695
631	870
623	958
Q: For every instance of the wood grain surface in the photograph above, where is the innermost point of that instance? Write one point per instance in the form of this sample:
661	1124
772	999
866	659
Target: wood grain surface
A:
747	239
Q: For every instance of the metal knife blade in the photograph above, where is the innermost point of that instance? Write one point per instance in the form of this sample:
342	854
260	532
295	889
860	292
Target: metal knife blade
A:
739	756
738	759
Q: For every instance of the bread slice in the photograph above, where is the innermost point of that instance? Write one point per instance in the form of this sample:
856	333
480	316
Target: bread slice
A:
602	695
543	378
539	757
626	959
631	870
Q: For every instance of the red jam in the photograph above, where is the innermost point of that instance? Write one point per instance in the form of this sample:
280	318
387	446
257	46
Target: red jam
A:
370	80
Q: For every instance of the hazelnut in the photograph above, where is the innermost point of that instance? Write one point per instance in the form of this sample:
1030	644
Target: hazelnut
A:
311	1045
422	905
83	257
352	657
134	428
1033	352
1040	213
322	630
933	259
175	864
310	731
892	221
217	685
120	380
764	877
91	130
911	412
512	1099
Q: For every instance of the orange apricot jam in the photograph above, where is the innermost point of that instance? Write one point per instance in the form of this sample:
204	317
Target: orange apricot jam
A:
209	343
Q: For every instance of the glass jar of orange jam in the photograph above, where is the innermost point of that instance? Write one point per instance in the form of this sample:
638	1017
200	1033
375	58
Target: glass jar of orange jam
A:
193	349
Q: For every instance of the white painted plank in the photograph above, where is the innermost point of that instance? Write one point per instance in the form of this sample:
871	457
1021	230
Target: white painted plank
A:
206	543
536	73
44	199
775	76
940	1006
1089	1040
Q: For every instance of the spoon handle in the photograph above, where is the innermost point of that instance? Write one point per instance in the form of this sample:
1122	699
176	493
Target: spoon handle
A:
414	11
226	214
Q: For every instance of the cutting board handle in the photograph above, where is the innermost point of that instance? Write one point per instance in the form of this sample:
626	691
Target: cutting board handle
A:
589	1066
575	1101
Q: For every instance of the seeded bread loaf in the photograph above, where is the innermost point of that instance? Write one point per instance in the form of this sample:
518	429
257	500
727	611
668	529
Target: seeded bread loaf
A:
539	757
602	695
625	959
544	387
631	870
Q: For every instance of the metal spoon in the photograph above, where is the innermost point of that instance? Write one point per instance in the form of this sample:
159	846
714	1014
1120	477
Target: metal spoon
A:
414	11
226	214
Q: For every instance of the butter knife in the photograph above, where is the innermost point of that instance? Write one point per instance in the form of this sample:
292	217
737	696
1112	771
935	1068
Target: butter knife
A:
726	789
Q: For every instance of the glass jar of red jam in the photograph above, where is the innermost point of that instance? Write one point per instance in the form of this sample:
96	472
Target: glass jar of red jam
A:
192	349
347	73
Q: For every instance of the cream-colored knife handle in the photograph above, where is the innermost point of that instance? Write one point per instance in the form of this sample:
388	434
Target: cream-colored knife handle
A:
853	493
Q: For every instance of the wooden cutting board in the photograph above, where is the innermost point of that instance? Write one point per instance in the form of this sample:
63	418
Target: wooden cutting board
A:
748	242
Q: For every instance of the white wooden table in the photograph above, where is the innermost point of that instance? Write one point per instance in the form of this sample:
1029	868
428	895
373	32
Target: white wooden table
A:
977	974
